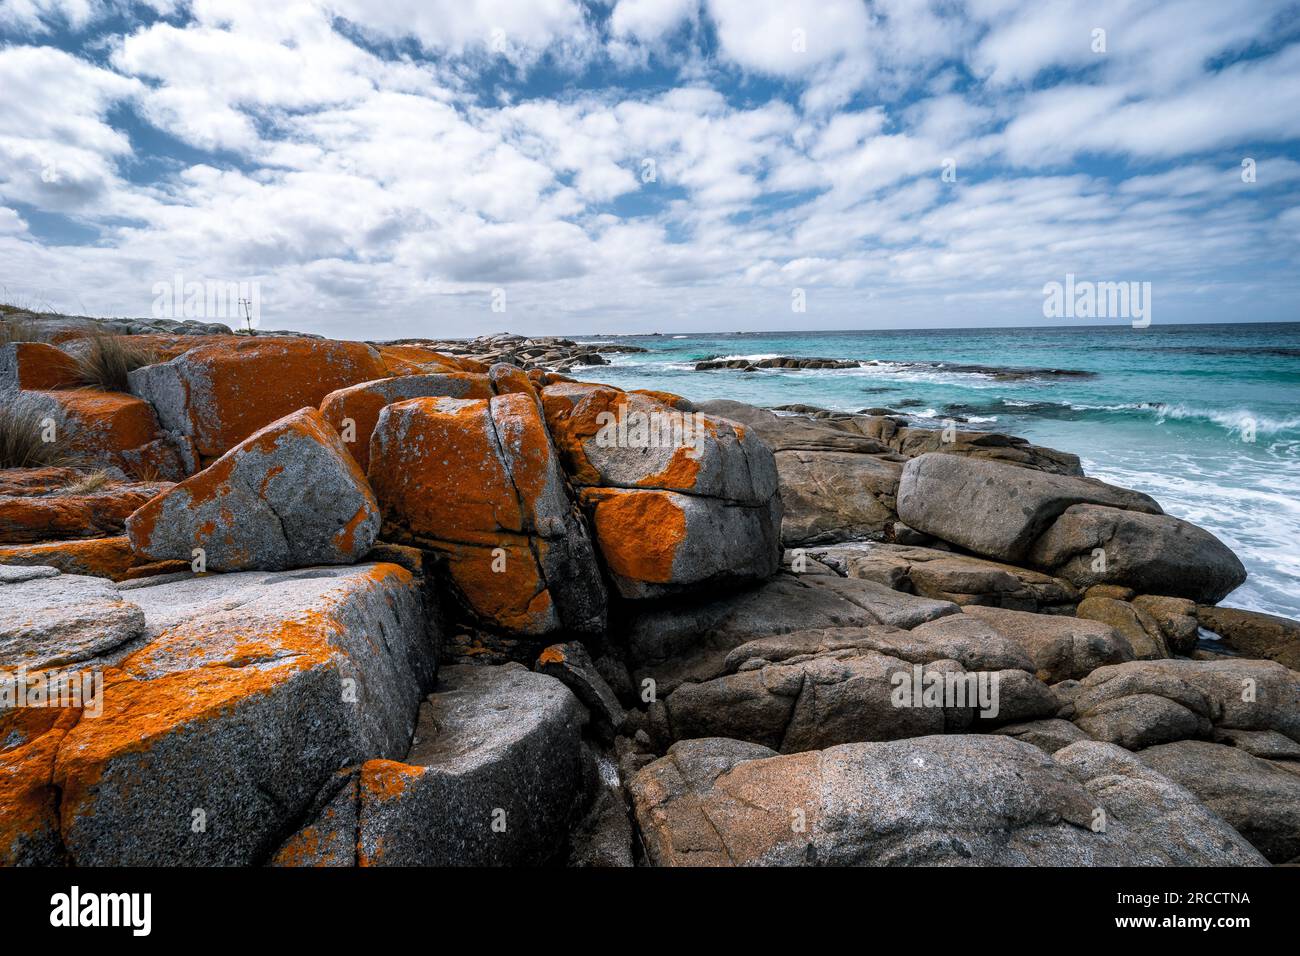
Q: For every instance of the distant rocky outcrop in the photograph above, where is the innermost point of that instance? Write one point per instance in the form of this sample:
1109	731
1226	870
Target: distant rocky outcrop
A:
783	361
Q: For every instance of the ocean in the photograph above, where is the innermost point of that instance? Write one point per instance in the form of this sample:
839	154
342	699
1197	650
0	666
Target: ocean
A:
1205	418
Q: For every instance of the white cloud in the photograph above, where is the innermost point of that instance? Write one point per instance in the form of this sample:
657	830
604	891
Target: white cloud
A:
376	192
11	222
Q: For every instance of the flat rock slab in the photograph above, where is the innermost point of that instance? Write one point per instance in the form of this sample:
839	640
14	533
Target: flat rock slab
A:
814	702
52	514
1062	648
691	640
495	776
965	800
947	576
59	619
245	694
287	496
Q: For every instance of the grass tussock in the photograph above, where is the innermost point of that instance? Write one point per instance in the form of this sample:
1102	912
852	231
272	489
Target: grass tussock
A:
105	361
147	473
22	443
89	482
16	327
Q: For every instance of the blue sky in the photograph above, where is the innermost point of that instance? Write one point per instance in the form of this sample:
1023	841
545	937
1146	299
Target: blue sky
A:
394	169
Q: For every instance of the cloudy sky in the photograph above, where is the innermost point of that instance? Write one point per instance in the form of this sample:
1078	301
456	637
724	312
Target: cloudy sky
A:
395	168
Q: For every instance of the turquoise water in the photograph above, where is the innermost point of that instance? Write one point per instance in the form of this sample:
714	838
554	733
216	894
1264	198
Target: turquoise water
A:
1169	410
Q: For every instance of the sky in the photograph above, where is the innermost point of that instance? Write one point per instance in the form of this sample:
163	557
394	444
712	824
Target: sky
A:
459	167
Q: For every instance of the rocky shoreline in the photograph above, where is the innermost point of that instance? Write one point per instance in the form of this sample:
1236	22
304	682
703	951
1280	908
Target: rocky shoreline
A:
438	603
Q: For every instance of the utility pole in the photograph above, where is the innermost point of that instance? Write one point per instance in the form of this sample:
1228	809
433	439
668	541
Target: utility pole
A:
246	305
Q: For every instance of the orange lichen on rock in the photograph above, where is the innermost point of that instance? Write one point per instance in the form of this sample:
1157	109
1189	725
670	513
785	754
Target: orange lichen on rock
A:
552	655
479	482
638	532
361	404
29	801
48	514
36	481
575	413
104	422
166	347
667	398
287	496
99	557
438	474
35	366
387	779
221	394
411	359
502	583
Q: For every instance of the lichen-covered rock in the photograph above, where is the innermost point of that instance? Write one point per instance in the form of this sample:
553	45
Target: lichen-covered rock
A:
60	509
494	777
287	496
415	359
110	558
1060	647
59	619
29	806
1150	553
658	543
219	394
963	800
615	439
679	501
994	509
361	404
113	429
36	366
479	482
329	838
246	693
